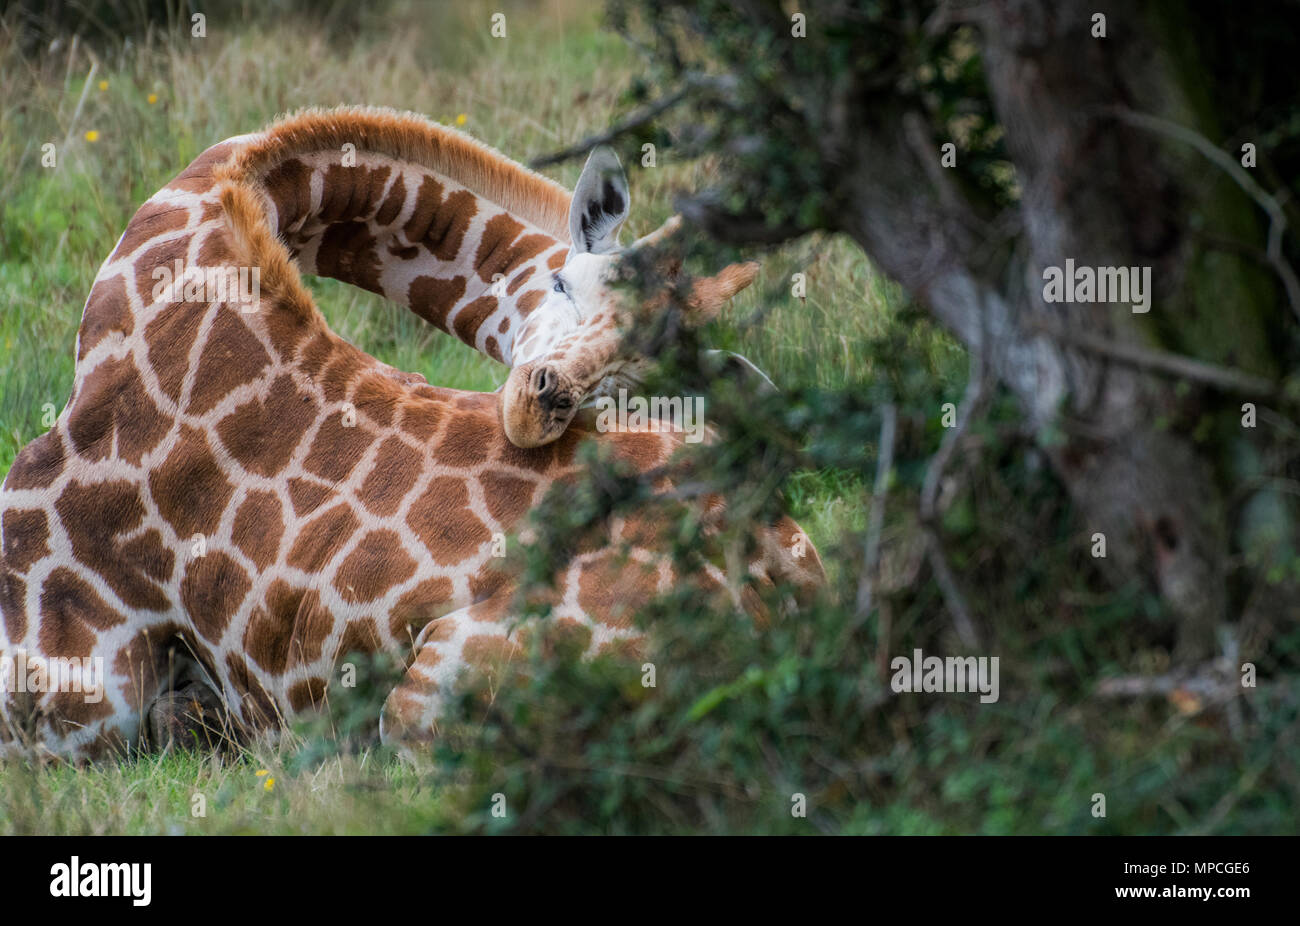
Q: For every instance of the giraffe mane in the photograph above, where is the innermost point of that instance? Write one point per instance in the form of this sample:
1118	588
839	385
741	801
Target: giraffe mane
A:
404	136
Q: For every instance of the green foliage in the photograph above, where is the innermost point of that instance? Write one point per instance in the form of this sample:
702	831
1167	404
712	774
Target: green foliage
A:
742	716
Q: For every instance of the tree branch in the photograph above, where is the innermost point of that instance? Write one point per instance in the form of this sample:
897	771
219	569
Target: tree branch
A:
635	120
1215	155
1223	378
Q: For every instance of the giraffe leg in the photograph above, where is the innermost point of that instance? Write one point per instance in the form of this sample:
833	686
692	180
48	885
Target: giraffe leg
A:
480	636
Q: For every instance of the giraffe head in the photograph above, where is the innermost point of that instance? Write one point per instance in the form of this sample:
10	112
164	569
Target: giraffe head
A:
580	342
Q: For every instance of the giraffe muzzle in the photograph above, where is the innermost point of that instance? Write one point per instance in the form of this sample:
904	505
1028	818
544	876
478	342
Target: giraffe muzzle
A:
537	404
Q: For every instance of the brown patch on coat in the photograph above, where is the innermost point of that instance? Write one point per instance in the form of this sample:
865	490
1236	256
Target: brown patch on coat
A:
262	433
432	298
214	587
508	497
337	448
440	223
113	404
288	629
289	186
393	202
231	357
611	591
359	636
306	495
71	614
322	537
108	311
350	193
490	652
417	607
471	317
420	419
259	522
93	517
309	693
149	555
198	177
257	708
377	563
538	459
38	464
501	249
26	532
170	337
529	301
339	376
348	252
162	254
394	473
443	521
190	488
467	441
150	220
13	595
70	711
376	398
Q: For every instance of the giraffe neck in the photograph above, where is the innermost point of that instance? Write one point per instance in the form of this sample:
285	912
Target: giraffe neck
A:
465	248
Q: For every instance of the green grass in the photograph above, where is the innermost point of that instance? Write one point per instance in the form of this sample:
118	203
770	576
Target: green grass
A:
557	78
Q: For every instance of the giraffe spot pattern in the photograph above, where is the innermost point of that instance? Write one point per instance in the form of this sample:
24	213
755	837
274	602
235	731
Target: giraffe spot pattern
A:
375	565
94	516
26	532
114	409
190	487
258	526
263	432
443	521
214	587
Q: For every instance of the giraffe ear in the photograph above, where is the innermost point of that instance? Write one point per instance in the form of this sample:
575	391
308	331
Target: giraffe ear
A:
711	293
600	204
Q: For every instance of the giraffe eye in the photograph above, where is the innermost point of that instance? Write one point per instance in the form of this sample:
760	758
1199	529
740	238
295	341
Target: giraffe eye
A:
559	286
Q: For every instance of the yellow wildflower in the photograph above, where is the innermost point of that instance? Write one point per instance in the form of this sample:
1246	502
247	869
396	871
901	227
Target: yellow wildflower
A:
92	135
153	98
103	85
462	119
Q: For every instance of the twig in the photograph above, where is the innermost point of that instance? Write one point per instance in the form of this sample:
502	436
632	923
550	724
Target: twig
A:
871	554
76	113
1266	201
956	602
1224	378
634	121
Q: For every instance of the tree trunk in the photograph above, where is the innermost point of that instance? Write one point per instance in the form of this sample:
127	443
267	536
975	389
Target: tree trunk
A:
1100	192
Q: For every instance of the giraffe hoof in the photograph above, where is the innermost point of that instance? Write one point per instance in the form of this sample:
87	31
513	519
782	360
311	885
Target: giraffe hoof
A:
188	718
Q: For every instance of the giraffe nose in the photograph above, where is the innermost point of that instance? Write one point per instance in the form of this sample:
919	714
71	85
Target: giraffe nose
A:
544	383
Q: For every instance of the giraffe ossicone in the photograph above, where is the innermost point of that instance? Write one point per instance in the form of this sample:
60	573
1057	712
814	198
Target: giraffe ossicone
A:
230	502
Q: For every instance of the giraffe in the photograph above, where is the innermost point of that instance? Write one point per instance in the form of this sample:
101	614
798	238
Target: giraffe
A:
234	497
397	218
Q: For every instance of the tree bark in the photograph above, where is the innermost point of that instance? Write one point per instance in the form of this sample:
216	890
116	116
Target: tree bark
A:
1094	190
